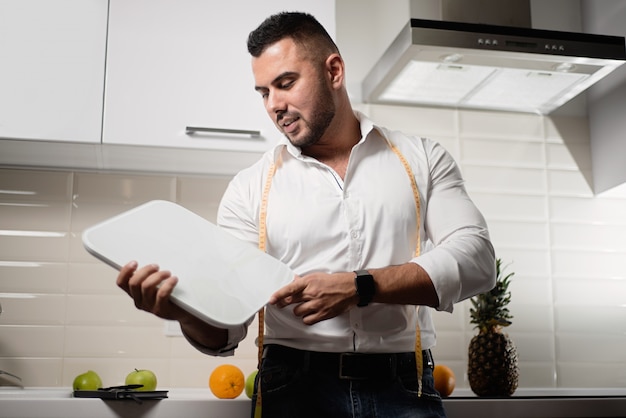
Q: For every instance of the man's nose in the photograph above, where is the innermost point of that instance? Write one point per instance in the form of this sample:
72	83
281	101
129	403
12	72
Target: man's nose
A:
275	103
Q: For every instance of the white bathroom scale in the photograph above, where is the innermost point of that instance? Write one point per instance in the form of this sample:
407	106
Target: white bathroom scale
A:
222	280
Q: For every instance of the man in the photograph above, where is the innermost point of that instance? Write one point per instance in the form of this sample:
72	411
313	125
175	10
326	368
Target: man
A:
373	222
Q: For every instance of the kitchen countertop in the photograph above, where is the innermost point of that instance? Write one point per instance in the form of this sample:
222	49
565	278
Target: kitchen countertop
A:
59	403
200	403
540	403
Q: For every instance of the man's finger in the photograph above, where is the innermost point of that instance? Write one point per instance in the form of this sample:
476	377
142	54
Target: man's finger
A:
286	294
125	274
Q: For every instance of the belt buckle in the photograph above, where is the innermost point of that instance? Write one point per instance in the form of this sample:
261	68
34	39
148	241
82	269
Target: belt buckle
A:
347	374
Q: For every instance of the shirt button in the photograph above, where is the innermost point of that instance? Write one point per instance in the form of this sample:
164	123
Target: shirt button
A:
354	234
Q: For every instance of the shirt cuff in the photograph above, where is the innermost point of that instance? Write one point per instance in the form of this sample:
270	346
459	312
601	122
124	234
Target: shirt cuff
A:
235	336
445	278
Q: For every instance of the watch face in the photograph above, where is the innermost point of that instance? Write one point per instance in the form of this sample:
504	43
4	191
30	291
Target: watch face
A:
365	287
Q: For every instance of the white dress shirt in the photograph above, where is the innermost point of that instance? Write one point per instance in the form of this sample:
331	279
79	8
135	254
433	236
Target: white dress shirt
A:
318	222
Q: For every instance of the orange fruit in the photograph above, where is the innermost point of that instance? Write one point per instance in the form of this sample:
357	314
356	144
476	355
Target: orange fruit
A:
227	381
444	380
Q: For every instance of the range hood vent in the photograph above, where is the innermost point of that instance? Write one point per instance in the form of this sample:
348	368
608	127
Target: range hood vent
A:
480	66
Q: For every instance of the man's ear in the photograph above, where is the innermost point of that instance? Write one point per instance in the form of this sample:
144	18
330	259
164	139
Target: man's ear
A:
335	67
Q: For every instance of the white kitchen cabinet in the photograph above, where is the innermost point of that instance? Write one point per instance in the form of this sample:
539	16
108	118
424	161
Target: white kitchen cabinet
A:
184	63
52	55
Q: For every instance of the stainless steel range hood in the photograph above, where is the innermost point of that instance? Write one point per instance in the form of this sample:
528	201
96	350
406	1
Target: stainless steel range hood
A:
483	66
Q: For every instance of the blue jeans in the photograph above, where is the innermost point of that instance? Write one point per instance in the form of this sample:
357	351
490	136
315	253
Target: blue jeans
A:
294	390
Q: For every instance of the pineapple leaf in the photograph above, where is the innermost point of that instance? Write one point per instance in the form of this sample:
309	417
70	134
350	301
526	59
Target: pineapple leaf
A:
489	310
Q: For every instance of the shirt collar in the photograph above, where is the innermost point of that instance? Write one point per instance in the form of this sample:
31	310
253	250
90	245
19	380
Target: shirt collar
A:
367	129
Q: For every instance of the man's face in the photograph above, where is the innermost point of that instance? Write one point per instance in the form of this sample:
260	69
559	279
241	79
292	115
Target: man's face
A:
296	94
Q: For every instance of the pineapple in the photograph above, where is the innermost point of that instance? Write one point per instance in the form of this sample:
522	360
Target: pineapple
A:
492	367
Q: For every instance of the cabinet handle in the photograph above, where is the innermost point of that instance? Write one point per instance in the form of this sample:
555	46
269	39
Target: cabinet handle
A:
190	130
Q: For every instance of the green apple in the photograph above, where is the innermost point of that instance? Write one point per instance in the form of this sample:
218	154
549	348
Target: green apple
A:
142	377
250	383
87	381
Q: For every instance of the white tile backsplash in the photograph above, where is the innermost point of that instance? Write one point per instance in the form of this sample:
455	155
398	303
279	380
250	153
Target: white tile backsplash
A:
539	375
566	129
508	206
589	265
201	195
589	237
579	347
589	292
116	341
32	277
35	216
529	175
500	125
32	309
520	234
34	371
531	293
507	180
32	342
591	374
29	186
568	156
106	310
525	261
598	211
503	152
122	189
432	123
92	277
39	247
529	317
570	182
586	318
534	346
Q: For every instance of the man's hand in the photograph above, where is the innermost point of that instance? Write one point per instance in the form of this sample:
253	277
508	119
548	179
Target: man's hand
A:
318	296
150	288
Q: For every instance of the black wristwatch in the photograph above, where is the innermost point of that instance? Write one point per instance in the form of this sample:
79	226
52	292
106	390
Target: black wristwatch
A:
365	287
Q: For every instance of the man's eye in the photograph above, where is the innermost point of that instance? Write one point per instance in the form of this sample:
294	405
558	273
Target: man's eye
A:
286	85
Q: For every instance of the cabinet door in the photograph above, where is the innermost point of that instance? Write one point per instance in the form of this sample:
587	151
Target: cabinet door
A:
52	56
184	63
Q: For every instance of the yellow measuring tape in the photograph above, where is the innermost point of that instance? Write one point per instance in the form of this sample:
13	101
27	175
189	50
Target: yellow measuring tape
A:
263	247
419	361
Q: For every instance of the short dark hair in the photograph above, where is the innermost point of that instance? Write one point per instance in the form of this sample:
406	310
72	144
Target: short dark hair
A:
303	28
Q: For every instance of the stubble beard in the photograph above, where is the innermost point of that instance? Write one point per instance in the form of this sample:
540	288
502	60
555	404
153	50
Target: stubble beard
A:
315	130
321	118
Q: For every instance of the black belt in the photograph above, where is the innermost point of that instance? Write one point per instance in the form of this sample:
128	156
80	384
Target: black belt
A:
350	366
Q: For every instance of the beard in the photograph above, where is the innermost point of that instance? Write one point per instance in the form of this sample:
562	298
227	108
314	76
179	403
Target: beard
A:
322	114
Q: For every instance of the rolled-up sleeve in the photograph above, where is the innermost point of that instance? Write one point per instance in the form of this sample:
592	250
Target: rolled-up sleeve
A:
235	336
462	262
